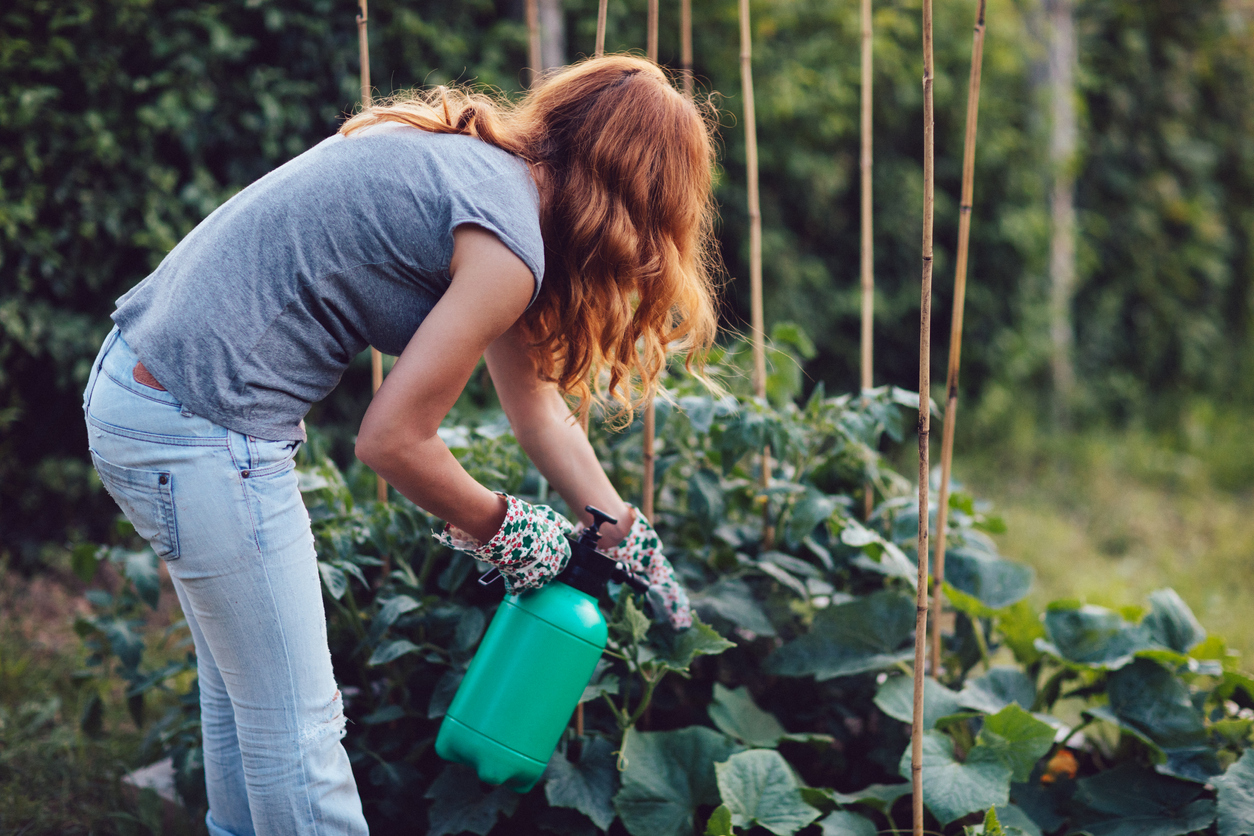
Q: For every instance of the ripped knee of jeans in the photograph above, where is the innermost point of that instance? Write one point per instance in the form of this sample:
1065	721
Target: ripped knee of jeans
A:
329	721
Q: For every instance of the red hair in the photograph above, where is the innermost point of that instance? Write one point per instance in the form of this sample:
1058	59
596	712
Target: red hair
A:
626	213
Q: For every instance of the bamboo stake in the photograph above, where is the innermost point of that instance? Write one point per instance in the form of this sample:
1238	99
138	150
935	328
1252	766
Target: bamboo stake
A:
650	415
868	263
533	41
685	44
651	36
602	11
756	322
376	358
925	385
586	418
955	328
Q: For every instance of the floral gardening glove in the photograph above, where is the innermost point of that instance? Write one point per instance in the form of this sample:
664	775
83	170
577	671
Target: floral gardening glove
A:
641	552
530	548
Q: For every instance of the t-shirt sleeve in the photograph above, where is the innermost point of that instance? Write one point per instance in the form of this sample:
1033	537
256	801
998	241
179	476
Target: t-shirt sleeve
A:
508	207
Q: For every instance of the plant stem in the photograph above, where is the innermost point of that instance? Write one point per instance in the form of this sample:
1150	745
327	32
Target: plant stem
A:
955	329
650	683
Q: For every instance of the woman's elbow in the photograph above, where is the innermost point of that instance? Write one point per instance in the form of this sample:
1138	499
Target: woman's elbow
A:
374	447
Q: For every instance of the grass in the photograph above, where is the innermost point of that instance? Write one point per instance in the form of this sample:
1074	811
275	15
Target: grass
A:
55	779
1108	518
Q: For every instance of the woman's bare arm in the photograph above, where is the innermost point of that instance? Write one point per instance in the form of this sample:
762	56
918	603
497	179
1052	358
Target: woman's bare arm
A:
550	436
398	437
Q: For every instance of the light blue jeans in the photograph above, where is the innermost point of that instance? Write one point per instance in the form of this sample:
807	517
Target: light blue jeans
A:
224	511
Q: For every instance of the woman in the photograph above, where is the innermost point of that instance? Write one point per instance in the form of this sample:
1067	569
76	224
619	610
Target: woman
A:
565	239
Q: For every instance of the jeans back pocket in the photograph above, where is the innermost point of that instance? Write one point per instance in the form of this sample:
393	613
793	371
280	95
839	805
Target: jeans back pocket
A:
146	497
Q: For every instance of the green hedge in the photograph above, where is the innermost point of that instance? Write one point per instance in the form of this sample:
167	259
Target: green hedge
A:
124	122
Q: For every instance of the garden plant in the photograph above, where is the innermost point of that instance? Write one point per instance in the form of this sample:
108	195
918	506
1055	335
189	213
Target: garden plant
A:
786	707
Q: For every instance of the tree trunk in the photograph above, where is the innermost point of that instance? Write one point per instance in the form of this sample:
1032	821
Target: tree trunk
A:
552	34
1062	150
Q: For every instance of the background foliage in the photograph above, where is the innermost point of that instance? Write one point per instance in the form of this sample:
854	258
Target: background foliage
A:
786	707
123	123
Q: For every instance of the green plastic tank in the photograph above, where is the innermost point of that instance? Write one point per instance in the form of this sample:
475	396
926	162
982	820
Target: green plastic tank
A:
530	670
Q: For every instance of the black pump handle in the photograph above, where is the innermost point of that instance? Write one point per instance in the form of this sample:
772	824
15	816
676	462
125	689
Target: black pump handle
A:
599	517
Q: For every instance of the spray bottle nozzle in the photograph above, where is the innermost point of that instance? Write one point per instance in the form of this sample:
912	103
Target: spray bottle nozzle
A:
591	534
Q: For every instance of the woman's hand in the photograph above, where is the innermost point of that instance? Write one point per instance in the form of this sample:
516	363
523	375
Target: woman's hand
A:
530	548
641	552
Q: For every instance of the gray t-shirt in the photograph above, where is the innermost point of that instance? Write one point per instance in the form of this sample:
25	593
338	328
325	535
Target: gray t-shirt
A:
255	314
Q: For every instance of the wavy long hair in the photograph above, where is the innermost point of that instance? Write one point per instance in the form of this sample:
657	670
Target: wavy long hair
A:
626	213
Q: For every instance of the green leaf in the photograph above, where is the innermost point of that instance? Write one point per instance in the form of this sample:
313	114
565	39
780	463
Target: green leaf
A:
969	604
668	775
350	567
731	598
877	796
700	411
469	628
140	568
391	610
996	582
845	823
135	706
1133	801
997	689
698	640
91	718
878	554
793	336
705	498
333	579
1020	627
587	785
812	508
736	715
1129	789
952	789
1171	623
1103	712
759	788
866	634
84	559
785	578
1048	806
1236	797
989	827
1092	636
1152	699
993	825
1014	820
460	805
1018	739
720	823
444	691
387	714
602	682
388	651
895	697
125	643
635	623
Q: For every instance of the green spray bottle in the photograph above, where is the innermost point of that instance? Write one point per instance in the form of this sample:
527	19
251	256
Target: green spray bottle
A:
532	667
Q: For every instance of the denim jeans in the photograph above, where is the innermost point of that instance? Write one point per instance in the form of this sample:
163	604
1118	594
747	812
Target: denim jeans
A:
224	512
